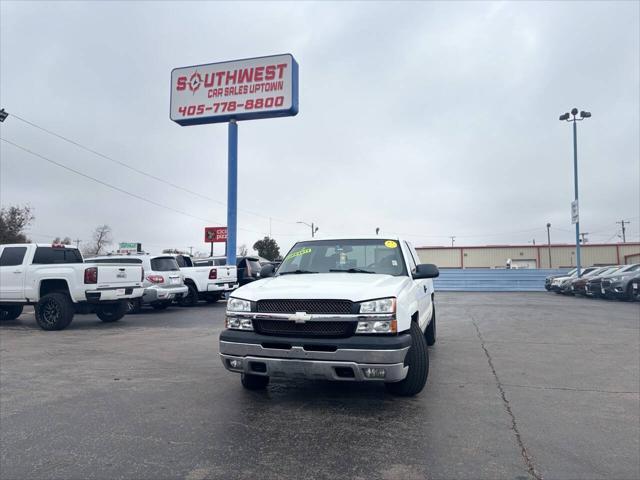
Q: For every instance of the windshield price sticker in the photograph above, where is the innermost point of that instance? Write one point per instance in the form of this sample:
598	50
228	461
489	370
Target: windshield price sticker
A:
390	244
299	253
242	89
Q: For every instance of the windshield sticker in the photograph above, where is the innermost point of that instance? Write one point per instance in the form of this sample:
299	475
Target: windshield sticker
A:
302	251
394	263
390	244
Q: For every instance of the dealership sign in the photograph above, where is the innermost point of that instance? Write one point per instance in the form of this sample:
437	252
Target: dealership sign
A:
215	234
260	87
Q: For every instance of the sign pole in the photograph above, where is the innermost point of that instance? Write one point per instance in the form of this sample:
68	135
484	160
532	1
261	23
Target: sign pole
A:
232	193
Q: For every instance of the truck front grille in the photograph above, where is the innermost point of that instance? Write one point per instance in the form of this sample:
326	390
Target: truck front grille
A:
317	328
338	307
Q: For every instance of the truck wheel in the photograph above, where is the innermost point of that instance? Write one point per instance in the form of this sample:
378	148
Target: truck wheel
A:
160	305
417	360
54	311
213	298
254	382
111	312
430	332
10	312
191	298
134	305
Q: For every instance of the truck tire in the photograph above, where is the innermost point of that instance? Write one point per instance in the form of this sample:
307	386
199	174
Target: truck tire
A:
212	298
430	332
191	298
134	305
10	312
54	311
254	382
112	312
417	360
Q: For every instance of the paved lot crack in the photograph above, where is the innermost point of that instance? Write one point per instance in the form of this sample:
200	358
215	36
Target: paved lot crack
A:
528	460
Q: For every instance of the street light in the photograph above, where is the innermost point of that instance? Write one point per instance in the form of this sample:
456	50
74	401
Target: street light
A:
3	115
314	229
566	117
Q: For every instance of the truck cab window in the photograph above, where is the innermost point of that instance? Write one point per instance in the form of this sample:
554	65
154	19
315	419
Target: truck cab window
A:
12	256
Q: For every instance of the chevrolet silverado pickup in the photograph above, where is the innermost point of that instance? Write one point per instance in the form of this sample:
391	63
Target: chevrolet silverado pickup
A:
348	309
57	281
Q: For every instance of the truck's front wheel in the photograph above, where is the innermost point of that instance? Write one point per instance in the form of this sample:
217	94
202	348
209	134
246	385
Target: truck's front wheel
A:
254	382
112	312
54	311
10	312
417	360
190	298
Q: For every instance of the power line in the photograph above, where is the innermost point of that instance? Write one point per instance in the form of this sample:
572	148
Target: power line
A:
137	170
113	187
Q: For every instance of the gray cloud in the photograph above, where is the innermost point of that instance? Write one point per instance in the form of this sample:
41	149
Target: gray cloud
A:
428	119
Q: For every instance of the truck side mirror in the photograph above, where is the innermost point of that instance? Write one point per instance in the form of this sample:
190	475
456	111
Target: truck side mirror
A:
426	270
267	270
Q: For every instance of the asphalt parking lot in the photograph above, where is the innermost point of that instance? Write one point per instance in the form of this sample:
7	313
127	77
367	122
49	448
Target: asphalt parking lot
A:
521	386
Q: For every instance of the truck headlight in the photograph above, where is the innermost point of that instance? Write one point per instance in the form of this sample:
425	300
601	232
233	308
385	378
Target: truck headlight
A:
377	326
238	305
382	305
239	323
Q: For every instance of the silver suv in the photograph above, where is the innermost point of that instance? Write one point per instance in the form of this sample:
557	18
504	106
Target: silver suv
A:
163	281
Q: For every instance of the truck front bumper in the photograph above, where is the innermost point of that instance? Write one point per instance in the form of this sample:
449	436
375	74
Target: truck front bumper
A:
359	358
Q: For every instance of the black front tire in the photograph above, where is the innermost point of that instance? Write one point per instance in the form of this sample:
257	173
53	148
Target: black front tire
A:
112	312
191	298
430	332
254	382
10	312
417	360
54	311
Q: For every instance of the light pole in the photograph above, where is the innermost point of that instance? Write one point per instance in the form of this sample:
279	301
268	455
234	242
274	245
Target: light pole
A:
314	229
566	117
549	242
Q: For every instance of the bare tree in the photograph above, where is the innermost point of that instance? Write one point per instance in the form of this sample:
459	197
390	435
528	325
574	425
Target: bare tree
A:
101	240
13	221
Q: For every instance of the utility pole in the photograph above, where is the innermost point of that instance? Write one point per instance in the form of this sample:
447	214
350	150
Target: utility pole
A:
314	229
453	239
549	242
623	222
584	237
77	240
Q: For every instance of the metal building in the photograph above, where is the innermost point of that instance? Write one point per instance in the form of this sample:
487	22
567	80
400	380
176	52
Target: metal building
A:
530	256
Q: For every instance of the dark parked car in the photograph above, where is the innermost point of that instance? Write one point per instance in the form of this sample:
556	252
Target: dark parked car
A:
577	286
593	288
635	288
618	285
549	279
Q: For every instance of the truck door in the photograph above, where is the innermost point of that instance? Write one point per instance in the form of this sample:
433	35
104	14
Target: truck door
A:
12	273
423	291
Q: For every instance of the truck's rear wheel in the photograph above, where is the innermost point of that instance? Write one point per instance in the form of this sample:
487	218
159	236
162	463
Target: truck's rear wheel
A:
54	311
112	312
430	332
254	382
417	360
212	298
10	312
191	297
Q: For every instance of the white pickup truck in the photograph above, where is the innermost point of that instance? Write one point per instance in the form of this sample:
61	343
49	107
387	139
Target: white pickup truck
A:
56	280
206	282
349	309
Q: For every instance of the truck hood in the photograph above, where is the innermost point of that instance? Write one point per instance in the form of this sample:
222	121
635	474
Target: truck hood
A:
343	286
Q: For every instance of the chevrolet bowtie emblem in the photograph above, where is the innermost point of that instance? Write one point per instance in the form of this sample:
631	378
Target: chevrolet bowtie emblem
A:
300	317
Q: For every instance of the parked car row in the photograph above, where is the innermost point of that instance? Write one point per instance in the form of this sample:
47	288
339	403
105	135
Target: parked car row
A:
621	282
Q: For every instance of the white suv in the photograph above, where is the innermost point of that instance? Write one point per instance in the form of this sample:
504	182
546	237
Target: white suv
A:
163	280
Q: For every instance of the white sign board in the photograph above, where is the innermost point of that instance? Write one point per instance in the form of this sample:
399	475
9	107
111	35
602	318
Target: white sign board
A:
574	212
261	87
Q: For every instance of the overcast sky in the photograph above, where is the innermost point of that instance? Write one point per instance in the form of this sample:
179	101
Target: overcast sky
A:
424	119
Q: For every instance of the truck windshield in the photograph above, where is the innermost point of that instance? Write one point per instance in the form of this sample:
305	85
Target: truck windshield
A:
349	256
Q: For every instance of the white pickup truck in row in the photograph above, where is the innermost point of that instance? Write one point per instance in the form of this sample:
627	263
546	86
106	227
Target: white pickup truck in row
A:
349	309
206	282
55	279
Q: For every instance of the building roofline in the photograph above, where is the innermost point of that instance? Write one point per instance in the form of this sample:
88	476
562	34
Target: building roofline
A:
540	245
